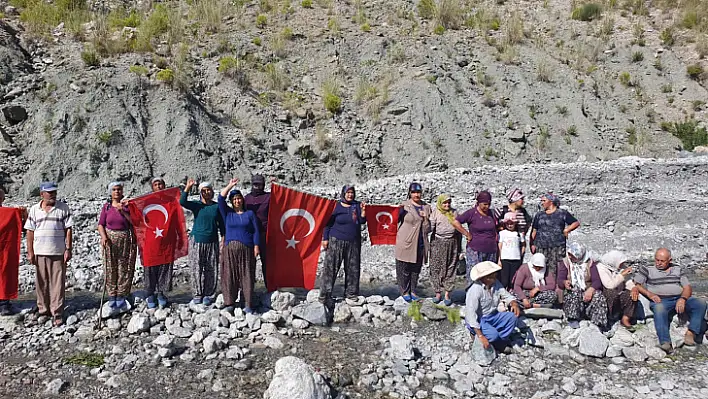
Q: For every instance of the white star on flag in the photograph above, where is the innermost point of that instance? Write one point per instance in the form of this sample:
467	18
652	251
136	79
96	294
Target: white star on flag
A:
385	226
292	242
158	232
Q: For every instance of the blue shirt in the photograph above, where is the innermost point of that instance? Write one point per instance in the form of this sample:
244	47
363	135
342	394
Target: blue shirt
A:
241	227
345	223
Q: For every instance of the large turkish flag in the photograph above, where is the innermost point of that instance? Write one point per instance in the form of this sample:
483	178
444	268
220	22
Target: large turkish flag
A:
382	222
160	228
296	221
10	235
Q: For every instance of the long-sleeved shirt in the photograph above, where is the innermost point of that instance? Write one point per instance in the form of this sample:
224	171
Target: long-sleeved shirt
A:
242	227
523	281
345	223
208	222
612	279
594	278
259	204
481	301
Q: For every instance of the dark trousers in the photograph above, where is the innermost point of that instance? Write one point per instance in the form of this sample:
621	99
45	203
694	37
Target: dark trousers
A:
338	252
407	274
506	274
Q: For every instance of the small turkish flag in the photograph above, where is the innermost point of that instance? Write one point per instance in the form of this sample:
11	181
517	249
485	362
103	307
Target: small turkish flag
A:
382	222
296	221
10	235
160	228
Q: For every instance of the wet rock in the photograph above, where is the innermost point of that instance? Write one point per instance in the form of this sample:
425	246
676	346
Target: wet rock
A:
592	342
295	379
313	312
401	347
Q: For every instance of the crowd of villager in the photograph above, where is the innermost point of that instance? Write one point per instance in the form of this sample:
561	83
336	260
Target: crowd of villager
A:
229	235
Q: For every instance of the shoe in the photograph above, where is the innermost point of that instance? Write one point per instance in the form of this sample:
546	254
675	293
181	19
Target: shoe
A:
162	300
229	309
407	298
150	300
414	297
196	300
447	302
436	299
6	310
206	301
666	347
689	339
120	302
58	321
248	310
574	324
112	301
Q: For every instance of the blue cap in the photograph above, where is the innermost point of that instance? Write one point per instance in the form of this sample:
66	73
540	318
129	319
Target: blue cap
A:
234	193
48	186
415	187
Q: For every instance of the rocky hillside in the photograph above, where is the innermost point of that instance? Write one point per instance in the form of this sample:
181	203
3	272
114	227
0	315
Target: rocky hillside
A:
325	91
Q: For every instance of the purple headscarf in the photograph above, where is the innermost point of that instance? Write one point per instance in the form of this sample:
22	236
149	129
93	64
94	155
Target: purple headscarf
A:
484	197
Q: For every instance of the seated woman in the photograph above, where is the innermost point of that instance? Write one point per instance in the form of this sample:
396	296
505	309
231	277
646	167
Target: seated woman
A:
616	286
534	284
482	317
578	276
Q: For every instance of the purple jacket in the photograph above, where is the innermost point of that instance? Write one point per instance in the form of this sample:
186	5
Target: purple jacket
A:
524	281
259	204
595	280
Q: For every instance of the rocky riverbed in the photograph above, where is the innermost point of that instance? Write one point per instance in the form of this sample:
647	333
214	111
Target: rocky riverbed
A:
376	348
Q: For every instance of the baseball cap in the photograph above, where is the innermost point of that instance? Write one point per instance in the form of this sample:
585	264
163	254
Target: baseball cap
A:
48	186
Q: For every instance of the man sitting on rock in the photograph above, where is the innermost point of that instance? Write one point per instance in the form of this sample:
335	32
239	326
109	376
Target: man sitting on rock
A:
669	290
482	317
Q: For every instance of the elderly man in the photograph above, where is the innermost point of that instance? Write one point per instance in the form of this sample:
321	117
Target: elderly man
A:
158	279
48	228
203	241
669	290
258	201
482	318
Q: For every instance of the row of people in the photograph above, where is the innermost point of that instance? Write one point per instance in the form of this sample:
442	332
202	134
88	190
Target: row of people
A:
593	290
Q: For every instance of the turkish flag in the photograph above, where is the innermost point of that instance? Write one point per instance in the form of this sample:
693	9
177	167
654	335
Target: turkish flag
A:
10	236
382	222
296	221
159	226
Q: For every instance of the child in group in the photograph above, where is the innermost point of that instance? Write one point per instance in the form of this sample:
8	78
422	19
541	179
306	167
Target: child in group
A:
512	247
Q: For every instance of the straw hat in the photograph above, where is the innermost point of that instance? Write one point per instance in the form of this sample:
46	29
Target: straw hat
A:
483	269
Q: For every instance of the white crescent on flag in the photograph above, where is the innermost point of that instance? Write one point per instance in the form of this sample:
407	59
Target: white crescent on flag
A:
297	212
390	217
160	208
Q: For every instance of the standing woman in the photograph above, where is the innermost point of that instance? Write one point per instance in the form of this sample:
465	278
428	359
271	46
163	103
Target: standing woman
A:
550	229
444	248
412	241
203	241
342	242
241	246
482	234
119	246
158	279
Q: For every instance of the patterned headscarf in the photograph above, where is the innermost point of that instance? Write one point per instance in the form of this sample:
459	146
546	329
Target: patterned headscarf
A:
515	195
449	214
553	198
578	269
613	260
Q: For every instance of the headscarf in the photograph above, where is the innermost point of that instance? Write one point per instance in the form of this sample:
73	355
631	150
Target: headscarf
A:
553	198
538	276
343	196
113	184
577	271
154	179
205	184
484	197
449	214
613	259
234	193
515	195
257	179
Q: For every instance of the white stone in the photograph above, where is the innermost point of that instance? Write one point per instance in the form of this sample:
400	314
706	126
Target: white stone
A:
592	342
273	343
281	301
295	379
401	347
342	313
138	323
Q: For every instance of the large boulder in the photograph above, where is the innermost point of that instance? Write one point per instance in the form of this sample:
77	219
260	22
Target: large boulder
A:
592	342
14	114
295	379
313	312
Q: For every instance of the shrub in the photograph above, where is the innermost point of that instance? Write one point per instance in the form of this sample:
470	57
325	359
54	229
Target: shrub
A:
90	57
234	68
211	13
154	25
306	3
688	131
330	96
587	12
119	18
514	29
261	21
427	9
139	70
414	311
450	14
667	37
257	41
166	75
544	72
439	30
105	137
702	48
86	359
694	71
625	78
365	27
631	135
276	78
637	56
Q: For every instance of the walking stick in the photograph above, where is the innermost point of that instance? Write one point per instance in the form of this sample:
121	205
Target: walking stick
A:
99	319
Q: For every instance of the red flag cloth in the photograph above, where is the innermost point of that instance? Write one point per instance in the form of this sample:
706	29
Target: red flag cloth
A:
382	222
10	236
160	227
296	221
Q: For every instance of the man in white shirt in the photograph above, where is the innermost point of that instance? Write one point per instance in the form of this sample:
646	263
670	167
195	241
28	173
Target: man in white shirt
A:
48	228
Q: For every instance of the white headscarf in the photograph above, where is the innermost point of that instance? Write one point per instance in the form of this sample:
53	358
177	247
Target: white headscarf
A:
577	271
113	184
538	276
613	259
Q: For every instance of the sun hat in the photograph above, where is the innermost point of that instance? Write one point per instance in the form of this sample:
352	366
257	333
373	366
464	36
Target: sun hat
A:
483	269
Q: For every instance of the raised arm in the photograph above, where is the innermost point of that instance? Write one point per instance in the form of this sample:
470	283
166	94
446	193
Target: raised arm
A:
225	191
183	196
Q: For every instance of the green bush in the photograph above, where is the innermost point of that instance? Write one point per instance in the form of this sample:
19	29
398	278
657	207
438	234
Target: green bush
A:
234	68
139	70
90	57
261	21
365	27
587	12
166	75
694	71
637	56
330	96
119	18
105	137
667	37
306	3
86	359
414	311
439	30
625	78
688	131
427	9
